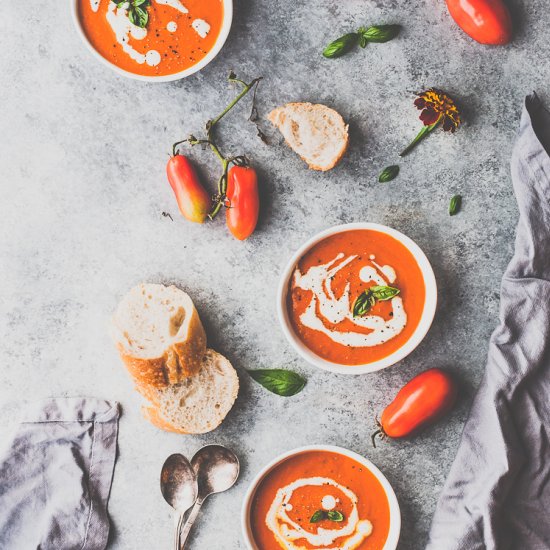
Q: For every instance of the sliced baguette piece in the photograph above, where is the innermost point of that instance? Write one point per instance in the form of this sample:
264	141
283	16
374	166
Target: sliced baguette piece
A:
315	132
198	404
159	335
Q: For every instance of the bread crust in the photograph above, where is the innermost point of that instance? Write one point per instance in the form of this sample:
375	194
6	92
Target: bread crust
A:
277	117
180	360
153	416
152	411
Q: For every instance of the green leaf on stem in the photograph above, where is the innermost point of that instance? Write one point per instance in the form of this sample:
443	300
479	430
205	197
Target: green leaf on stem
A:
341	45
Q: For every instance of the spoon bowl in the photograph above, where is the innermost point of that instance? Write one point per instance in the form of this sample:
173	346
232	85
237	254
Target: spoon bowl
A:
217	469
178	485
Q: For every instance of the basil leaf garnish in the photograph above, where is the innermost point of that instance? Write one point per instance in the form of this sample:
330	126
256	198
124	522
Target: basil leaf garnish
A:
384	293
318	516
455	204
380	33
335	515
137	12
365	301
341	45
279	381
389	173
141	16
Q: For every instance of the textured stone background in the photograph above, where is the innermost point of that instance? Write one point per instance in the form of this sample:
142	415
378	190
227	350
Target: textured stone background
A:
83	187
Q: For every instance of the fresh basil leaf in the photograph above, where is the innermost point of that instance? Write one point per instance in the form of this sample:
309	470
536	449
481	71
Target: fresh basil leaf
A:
384	293
341	45
365	301
389	173
279	381
318	516
455	204
132	16
142	16
362	40
380	33
137	3
335	515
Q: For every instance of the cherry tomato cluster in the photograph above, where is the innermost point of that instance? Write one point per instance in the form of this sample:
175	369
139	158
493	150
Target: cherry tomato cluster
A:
241	198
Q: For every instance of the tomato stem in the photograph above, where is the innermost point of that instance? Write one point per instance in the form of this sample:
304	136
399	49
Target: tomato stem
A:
225	162
246	88
377	433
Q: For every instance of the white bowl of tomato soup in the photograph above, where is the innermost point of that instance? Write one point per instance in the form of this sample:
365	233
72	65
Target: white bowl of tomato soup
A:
357	298
321	497
179	37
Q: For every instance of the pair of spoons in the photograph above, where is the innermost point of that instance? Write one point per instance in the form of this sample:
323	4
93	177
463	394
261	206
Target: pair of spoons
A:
183	484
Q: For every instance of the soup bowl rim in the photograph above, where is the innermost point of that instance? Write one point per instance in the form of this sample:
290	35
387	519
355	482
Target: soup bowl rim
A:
395	511
212	53
426	318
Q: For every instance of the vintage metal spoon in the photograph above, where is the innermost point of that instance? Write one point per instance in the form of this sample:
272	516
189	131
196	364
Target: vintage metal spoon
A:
178	484
217	469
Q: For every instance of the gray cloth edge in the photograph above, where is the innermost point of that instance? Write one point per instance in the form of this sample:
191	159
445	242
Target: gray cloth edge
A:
531	154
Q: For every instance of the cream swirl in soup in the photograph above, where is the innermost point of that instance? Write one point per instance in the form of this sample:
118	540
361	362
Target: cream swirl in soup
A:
356	297
325	306
350	532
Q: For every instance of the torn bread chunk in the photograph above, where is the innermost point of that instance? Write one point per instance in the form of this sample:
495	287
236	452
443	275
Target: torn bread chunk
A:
315	132
159	335
197	405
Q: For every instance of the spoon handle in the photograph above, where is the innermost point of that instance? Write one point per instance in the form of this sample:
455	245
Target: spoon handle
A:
178	531
190	521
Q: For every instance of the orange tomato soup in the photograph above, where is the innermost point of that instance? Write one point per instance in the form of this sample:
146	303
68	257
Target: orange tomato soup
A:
333	274
320	485
178	34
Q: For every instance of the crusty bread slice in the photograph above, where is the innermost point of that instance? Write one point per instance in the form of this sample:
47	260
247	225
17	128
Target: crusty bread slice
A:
159	335
199	403
316	132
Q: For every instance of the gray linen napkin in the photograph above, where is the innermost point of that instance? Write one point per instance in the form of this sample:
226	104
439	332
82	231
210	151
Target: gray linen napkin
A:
55	476
497	496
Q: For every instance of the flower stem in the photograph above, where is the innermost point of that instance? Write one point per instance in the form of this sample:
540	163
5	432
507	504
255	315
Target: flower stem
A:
419	137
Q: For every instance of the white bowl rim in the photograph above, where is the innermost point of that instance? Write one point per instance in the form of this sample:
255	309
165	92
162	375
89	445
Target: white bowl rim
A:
395	511
408	347
218	45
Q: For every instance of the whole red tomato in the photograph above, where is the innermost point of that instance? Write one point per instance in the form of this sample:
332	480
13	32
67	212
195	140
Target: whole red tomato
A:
193	200
243	201
486	21
424	399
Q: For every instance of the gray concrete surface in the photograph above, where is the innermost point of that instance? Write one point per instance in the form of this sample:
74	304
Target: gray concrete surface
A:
82	161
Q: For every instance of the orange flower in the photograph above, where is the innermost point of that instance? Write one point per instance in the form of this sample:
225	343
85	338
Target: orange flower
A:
437	108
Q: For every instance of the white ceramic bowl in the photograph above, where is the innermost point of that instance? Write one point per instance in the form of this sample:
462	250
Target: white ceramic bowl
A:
415	339
395	513
222	37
